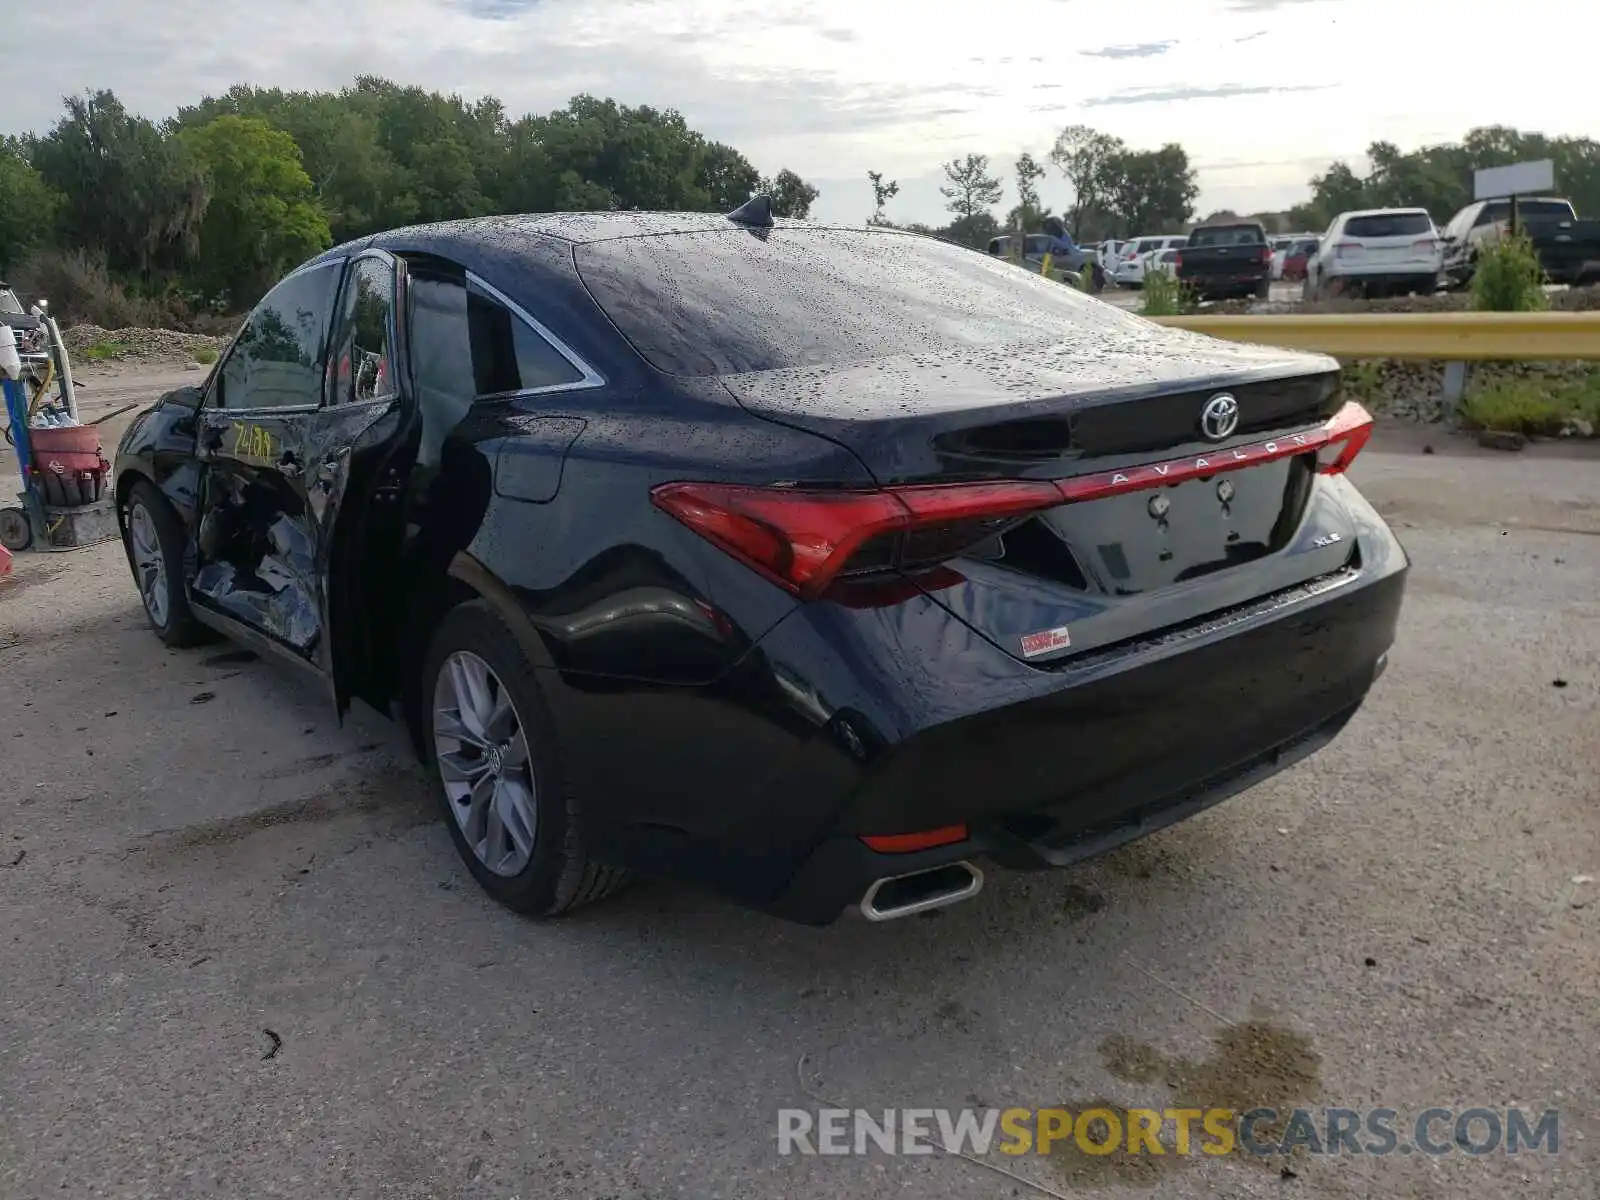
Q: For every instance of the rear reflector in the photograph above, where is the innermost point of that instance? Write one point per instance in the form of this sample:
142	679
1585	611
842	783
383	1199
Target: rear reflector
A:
904	843
804	540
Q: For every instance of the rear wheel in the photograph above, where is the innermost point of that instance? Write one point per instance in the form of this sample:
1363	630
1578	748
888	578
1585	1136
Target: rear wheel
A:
16	533
497	762
1264	290
153	539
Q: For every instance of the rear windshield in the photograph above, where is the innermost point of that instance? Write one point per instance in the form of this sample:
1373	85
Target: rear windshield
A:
1382	225
719	303
1228	235
1499	210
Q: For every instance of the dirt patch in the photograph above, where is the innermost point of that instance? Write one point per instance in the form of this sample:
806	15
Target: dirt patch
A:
18	582
400	796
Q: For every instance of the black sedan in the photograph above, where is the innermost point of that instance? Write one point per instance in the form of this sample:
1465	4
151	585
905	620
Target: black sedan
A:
816	565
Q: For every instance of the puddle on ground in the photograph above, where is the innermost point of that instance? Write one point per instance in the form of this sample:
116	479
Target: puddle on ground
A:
1254	1064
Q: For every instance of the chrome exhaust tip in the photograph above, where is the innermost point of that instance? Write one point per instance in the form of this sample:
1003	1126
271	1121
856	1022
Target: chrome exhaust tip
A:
897	896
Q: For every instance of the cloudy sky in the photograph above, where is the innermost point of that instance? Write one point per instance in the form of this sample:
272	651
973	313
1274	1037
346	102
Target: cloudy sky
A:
1262	93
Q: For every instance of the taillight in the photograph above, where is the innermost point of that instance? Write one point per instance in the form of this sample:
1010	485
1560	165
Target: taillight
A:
1347	433
1178	261
1428	244
1341	248
805	541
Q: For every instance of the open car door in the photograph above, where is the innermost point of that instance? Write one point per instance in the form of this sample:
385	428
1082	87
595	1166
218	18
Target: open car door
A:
361	465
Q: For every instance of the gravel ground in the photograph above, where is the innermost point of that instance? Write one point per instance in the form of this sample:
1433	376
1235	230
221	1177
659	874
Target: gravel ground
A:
193	852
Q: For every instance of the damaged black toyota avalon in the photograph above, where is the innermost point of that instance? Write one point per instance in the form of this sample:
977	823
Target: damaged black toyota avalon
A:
819	566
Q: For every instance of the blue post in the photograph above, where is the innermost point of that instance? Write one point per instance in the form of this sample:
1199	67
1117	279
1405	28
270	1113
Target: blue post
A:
17	418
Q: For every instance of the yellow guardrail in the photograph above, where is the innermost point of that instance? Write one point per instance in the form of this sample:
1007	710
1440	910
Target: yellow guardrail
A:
1449	337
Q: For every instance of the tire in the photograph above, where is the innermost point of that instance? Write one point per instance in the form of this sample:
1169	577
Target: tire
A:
16	531
1264	290
145	514
1097	279
531	798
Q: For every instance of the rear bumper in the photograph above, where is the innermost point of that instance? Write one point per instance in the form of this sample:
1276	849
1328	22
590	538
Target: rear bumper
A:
1230	281
1388	273
1099	761
838	873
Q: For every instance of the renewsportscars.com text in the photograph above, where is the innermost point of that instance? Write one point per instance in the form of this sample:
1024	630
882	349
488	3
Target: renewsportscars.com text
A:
1160	1131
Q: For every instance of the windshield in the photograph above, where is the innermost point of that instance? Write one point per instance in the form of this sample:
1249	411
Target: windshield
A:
1383	225
725	302
1227	235
9	302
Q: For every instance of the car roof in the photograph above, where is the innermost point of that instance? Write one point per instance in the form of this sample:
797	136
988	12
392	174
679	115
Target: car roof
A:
584	228
1382	212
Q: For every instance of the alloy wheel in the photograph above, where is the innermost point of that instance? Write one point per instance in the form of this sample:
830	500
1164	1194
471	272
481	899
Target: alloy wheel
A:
482	750
149	564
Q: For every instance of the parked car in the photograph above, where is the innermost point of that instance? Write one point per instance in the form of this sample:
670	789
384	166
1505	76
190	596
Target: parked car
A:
1377	252
1568	247
1131	266
1292	267
817	567
1219	261
1037	245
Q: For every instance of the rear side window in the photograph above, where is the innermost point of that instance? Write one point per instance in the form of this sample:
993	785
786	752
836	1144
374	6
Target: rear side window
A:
9	302
1227	235
508	354
1386	225
719	302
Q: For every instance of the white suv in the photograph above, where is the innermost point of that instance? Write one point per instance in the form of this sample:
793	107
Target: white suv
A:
1382	251
1135	256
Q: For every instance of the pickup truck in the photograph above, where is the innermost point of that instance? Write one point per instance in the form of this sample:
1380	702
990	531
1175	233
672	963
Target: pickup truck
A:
1036	245
1568	247
1227	260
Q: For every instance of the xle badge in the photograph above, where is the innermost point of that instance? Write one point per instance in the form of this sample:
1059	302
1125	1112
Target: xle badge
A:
1046	640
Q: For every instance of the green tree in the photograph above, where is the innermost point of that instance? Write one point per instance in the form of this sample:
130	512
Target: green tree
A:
791	195
641	158
972	190
1151	191
975	230
129	190
1084	156
1027	213
263	216
882	193
27	205
726	177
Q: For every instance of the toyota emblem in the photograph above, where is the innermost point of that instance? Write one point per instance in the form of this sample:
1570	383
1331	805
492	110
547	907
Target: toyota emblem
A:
1220	417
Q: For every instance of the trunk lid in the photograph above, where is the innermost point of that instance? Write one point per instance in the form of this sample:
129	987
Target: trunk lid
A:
1092	574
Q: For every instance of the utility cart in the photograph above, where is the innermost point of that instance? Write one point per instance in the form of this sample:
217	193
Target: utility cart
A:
64	501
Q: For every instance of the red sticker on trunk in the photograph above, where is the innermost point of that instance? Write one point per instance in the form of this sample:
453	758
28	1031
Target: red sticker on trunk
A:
1046	640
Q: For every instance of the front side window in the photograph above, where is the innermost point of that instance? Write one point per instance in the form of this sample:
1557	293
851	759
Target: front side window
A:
276	361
